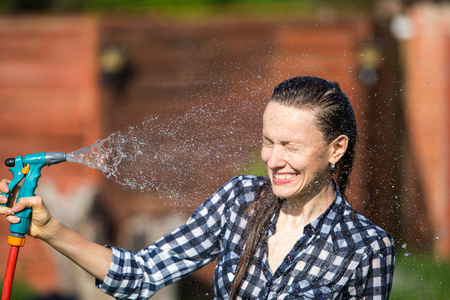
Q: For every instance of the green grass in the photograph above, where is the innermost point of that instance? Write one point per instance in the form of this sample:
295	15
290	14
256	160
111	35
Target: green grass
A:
420	276
21	291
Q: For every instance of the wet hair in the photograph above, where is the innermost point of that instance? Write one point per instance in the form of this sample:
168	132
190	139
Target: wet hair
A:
334	117
333	112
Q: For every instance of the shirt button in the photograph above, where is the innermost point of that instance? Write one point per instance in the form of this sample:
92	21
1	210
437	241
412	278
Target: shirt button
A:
289	258
308	230
267	283
297	289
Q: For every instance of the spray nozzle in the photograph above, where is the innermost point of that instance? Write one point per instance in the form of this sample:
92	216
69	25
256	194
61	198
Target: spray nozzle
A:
52	158
28	168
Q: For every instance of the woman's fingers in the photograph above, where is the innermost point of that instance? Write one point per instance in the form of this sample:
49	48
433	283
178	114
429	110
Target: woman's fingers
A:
4	209
40	217
3	199
17	207
4	185
34	203
12	219
5	189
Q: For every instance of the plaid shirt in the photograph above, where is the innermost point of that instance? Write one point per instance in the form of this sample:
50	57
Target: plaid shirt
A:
338	257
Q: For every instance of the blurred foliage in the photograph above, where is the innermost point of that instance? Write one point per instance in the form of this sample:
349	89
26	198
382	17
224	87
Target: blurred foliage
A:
420	276
181	7
21	291
255	166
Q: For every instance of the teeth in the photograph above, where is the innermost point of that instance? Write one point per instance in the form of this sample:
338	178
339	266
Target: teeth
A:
284	176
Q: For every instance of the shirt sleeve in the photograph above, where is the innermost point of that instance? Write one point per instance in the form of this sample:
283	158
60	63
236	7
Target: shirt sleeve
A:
138	275
373	278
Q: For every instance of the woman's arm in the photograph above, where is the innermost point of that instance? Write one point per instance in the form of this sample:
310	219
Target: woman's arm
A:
92	257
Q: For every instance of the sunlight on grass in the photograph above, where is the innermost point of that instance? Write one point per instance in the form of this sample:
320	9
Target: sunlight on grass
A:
419	276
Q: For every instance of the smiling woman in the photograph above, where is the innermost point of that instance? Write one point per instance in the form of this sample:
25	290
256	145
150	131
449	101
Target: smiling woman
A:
298	162
316	244
297	157
289	236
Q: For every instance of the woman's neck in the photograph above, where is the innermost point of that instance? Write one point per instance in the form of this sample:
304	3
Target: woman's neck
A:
310	206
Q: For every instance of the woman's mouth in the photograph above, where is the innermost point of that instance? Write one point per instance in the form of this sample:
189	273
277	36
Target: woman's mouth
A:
282	178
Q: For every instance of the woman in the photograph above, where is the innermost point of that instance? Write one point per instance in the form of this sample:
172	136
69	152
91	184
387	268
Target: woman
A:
289	236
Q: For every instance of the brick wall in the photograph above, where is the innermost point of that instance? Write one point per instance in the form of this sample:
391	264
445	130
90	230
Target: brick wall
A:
49	99
427	77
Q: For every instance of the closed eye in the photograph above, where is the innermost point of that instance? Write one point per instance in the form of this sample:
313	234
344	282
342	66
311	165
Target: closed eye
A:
293	147
289	146
267	142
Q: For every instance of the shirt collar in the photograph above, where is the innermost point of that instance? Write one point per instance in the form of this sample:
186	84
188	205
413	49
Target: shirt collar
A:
324	223
332	215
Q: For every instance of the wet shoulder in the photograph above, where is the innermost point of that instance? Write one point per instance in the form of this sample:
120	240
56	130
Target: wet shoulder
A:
373	235
240	190
358	232
244	188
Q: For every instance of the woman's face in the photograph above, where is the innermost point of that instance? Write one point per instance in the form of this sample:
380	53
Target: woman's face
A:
294	151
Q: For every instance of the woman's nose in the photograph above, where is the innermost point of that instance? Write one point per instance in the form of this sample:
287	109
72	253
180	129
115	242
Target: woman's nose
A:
276	157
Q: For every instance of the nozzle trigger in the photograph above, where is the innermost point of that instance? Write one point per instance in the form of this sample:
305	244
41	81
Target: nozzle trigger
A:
17	171
26	169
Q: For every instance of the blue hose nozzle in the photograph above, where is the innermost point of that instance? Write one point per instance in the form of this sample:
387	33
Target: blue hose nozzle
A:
28	168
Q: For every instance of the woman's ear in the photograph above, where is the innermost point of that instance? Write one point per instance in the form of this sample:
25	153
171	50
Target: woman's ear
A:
338	148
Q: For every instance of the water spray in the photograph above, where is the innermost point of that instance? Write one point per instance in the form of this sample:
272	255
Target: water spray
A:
142	159
28	169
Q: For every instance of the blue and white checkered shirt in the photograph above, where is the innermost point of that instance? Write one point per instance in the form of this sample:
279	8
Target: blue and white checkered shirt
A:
338	257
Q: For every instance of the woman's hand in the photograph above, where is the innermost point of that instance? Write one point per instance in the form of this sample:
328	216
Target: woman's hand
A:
92	257
41	217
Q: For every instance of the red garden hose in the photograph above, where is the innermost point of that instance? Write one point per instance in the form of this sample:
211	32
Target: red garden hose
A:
10	269
16	241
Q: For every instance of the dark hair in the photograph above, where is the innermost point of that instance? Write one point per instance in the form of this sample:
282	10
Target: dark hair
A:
334	117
